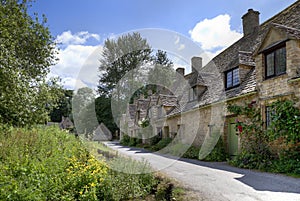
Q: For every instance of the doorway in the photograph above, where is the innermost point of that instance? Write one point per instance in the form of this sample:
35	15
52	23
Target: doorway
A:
233	139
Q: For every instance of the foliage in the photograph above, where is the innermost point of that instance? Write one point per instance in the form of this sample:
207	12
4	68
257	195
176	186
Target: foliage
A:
125	140
86	179
46	164
49	164
130	178
253	137
64	106
275	149
134	141
27	52
162	72
252	161
120	56
218	153
285	122
83	110
155	139
161	144
104	113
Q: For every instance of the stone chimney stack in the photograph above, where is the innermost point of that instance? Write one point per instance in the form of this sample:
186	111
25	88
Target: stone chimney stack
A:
196	64
250	21
180	71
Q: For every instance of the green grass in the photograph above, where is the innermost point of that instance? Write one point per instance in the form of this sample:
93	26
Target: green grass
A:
46	163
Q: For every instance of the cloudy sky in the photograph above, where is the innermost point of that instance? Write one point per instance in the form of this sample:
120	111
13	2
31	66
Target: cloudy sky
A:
183	28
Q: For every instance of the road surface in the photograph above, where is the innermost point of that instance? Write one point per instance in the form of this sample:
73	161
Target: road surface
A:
219	181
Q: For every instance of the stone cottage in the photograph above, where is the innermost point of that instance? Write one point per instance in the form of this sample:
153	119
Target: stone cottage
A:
261	67
66	123
102	133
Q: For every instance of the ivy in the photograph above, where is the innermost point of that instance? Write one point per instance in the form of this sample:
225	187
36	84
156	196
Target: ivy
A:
285	122
250	125
276	148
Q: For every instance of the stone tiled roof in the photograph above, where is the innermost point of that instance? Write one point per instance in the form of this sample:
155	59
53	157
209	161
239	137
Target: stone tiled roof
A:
249	85
246	58
142	107
102	133
196	79
239	53
292	32
168	100
132	111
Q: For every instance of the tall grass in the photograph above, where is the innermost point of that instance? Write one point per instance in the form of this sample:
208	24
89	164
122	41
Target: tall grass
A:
50	164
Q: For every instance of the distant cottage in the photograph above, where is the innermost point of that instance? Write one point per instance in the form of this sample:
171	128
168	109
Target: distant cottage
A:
102	133
66	123
260	68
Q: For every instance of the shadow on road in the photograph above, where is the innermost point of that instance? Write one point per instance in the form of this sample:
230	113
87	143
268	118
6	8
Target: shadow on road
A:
260	181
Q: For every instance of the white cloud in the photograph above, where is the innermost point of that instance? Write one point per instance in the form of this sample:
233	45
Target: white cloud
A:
215	33
72	59
78	63
177	40
72	83
179	46
67	38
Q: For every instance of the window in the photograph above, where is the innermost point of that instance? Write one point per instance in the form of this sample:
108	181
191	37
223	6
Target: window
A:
275	62
192	94
232	78
269	113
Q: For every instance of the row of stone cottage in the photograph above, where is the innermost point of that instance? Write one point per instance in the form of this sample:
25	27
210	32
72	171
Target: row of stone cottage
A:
260	68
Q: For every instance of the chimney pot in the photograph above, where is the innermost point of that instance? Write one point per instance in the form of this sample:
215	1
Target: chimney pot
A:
180	71
250	21
196	63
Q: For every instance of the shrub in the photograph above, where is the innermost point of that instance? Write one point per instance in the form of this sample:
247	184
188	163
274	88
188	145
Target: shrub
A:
218	153
34	163
154	140
276	149
86	179
125	140
285	122
161	144
130	178
192	153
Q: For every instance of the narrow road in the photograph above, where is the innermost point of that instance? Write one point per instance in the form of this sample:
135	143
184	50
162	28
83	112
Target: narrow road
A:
218	181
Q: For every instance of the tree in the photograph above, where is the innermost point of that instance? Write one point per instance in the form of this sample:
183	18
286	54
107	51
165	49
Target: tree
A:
64	107
27	51
83	110
161	72
104	114
119	57
161	58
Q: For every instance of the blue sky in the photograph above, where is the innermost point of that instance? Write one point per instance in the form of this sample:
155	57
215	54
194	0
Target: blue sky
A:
82	26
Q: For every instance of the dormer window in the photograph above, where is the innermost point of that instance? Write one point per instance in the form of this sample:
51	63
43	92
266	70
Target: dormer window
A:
275	62
192	94
232	78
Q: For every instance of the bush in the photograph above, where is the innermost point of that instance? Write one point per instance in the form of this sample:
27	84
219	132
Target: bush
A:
130	179
50	164
275	149
154	140
47	164
249	161
134	141
161	144
192	153
125	140
218	154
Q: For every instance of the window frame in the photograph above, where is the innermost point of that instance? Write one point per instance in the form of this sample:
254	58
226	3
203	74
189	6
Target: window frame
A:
269	112
192	94
232	78
273	51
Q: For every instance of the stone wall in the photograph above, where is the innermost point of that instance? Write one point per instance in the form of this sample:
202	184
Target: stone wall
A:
278	86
